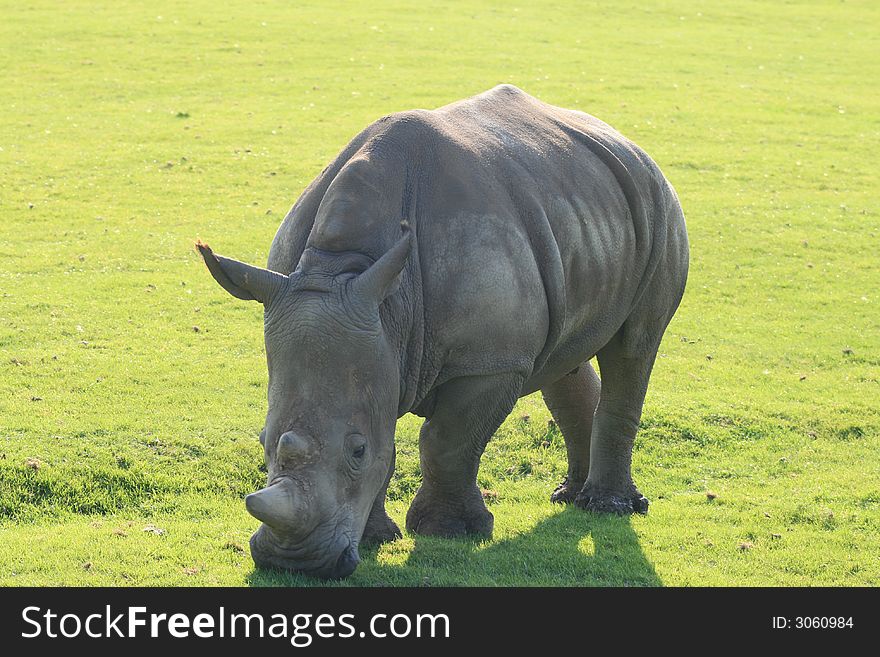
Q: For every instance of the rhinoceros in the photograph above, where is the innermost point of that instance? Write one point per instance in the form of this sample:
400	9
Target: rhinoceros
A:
447	263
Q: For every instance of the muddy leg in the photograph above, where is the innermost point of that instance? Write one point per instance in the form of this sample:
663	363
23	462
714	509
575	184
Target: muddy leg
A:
609	487
380	528
467	412
572	401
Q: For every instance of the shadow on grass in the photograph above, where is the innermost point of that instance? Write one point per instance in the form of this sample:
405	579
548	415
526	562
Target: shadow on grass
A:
570	548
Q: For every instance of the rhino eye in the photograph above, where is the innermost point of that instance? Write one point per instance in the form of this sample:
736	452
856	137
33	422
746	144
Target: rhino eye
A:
355	450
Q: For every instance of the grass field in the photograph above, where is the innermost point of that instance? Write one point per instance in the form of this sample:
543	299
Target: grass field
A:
132	388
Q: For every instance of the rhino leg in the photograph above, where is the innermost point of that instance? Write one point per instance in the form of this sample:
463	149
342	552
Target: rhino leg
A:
380	528
467	412
572	401
609	487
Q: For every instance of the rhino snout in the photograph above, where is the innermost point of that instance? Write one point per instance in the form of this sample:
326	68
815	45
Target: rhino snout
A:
347	562
336	562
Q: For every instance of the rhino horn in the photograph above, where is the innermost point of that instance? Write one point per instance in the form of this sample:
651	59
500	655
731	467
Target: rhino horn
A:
242	280
380	280
292	446
274	505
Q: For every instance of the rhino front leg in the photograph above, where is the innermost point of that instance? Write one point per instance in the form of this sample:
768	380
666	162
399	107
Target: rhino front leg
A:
380	528
467	412
609	487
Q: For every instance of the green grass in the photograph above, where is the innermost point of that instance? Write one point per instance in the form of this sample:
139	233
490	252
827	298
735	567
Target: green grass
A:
127	130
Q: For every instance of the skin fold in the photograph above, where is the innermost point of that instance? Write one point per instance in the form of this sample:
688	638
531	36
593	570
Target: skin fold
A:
446	263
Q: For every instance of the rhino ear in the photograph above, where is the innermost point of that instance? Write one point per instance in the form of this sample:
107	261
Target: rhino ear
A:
383	277
240	280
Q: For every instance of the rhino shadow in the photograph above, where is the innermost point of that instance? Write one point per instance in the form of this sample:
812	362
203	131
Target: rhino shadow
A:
570	548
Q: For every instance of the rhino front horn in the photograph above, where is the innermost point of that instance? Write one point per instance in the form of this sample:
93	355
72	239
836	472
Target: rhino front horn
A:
274	505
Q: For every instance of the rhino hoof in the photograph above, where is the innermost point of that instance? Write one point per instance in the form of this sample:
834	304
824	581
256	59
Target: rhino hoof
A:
600	501
428	519
565	493
384	530
452	527
640	505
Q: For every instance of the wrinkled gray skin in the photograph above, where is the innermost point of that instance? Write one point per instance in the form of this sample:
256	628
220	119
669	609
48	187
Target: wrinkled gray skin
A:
533	239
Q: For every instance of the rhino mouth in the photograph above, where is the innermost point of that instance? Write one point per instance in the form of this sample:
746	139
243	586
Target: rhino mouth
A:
336	561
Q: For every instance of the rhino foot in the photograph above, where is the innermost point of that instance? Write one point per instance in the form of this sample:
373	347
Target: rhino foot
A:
606	501
449	520
565	492
380	530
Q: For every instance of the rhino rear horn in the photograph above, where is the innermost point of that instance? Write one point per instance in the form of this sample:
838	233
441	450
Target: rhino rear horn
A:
242	280
381	279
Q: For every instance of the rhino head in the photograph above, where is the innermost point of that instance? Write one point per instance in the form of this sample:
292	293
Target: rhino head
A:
333	398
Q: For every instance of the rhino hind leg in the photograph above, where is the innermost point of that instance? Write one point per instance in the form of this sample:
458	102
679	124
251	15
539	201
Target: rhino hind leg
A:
625	364
609	487
572	401
467	412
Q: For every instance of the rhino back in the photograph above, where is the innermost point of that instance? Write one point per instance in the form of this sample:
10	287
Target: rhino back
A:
535	228
544	225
